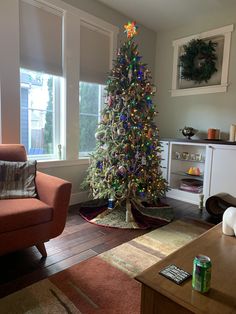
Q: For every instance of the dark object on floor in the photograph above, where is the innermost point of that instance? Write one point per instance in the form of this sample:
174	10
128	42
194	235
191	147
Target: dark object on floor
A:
217	204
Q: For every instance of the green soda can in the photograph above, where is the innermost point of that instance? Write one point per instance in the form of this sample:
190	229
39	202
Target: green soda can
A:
201	278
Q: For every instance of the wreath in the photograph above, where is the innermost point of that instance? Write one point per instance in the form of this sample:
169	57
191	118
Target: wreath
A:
198	62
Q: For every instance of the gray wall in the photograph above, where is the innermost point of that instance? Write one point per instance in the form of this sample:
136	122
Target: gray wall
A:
205	111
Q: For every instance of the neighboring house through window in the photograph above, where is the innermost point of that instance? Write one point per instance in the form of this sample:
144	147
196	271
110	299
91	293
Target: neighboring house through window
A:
40	103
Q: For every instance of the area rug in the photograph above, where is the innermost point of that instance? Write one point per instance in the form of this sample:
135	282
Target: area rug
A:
144	216
103	284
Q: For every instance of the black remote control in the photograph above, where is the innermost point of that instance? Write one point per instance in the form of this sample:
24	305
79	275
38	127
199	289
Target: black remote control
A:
175	274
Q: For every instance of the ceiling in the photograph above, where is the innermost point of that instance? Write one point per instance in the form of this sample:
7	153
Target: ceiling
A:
167	14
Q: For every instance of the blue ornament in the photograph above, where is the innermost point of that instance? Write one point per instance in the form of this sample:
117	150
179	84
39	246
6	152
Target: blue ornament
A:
122	60
125	125
149	101
99	165
142	194
140	75
123	117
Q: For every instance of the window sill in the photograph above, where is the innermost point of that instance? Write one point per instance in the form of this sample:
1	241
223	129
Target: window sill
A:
43	164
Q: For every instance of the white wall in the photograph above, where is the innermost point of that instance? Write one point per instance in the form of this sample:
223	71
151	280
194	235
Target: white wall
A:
74	170
199	111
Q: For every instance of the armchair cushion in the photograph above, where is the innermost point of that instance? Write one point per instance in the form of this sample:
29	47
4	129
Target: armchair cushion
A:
17	179
23	213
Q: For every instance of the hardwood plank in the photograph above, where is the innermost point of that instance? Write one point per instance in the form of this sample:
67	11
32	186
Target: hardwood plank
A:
79	240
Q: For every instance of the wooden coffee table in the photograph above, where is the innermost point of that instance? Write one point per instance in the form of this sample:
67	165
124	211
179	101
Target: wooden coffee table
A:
162	296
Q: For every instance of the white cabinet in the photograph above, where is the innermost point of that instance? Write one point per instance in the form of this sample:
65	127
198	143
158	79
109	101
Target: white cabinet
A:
216	164
221	176
186	171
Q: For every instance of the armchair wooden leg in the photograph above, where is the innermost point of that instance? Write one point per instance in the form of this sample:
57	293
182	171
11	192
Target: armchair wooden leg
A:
42	249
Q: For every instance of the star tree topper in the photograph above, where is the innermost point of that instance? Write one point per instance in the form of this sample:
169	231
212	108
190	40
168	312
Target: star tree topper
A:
131	29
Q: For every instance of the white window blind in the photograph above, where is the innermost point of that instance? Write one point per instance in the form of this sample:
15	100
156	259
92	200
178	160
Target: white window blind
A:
94	54
40	38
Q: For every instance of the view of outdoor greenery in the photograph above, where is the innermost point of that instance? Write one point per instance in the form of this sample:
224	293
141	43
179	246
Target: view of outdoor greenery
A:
48	129
91	100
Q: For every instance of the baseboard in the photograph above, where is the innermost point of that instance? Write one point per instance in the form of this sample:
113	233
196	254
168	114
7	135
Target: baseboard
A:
79	197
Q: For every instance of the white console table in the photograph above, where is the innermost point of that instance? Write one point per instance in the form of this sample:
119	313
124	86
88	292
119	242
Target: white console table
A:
216	161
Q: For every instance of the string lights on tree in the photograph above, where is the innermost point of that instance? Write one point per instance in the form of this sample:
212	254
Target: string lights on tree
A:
125	165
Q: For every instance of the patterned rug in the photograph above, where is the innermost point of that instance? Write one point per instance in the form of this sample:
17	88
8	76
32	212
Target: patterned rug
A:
103	284
145	217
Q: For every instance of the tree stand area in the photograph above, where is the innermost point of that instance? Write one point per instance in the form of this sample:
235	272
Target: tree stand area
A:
125	167
126	214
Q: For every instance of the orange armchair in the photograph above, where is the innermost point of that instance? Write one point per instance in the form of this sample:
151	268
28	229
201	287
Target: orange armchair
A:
32	221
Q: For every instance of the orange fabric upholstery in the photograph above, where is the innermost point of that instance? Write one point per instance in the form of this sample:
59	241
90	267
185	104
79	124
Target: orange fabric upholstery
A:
28	222
13	152
22	213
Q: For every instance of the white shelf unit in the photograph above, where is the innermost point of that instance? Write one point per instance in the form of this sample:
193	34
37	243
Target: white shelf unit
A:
182	156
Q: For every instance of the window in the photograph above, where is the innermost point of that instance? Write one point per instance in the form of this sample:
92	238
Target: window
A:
40	72
95	58
92	98
40	104
61	48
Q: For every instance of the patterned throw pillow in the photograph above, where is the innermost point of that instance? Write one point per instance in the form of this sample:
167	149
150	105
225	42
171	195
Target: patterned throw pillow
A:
17	179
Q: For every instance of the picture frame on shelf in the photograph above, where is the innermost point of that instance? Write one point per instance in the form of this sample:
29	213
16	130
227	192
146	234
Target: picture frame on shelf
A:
218	82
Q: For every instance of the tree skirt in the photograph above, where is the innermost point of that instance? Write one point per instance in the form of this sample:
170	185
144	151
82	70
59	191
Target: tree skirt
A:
145	216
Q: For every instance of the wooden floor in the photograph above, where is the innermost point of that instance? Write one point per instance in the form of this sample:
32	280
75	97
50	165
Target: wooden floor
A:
79	241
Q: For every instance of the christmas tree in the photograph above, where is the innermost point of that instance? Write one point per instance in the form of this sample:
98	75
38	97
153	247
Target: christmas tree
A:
125	165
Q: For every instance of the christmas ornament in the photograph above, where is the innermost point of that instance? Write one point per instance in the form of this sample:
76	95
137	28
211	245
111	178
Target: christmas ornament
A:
123	117
150	133
99	164
130	73
110	101
104	147
144	161
121	131
148	88
99	135
121	170
105	117
130	29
